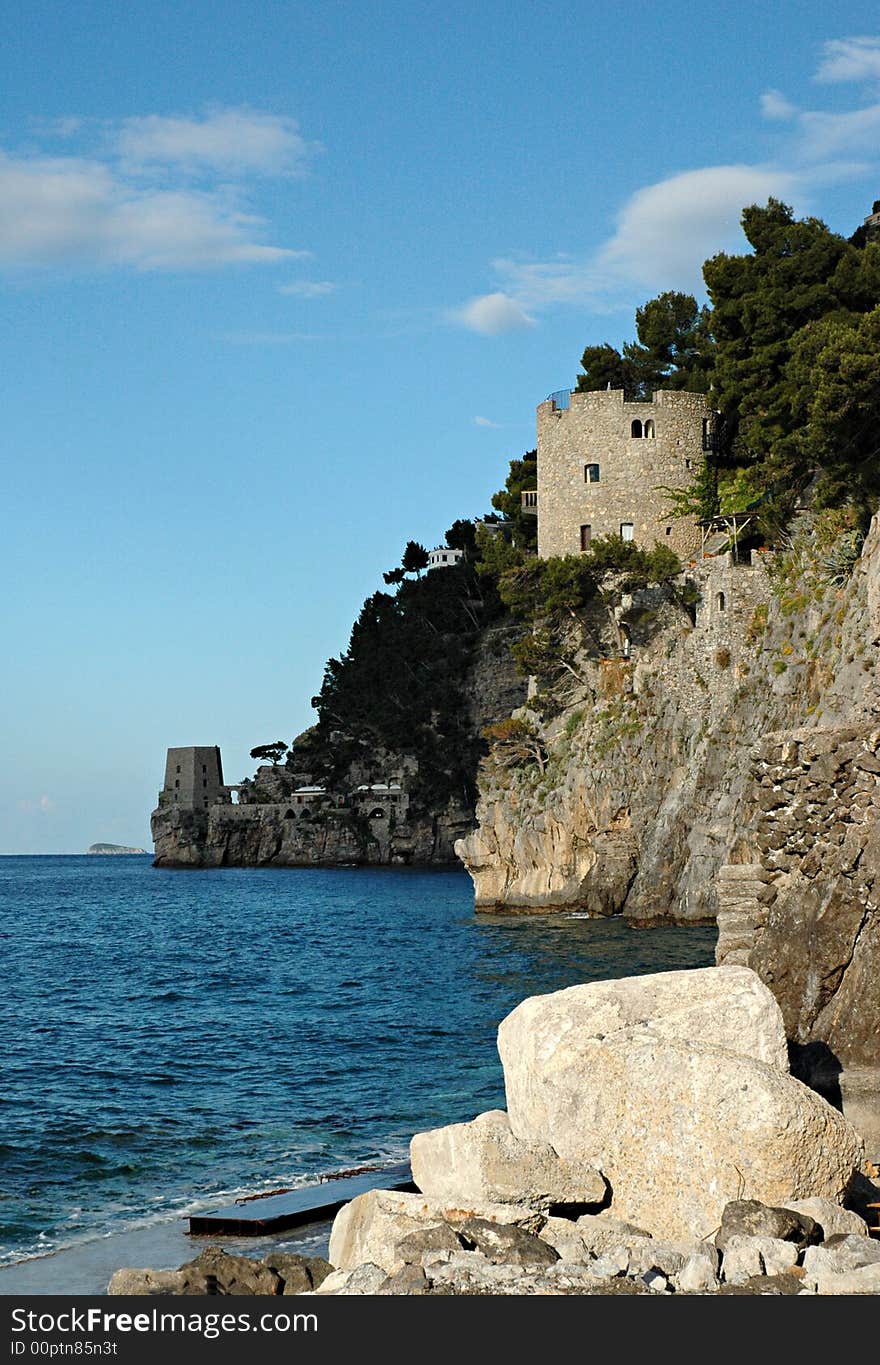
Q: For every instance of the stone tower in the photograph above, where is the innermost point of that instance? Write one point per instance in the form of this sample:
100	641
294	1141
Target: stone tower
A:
194	778
602	461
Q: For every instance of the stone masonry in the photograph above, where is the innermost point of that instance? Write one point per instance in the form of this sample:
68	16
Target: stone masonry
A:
193	778
803	909
603	461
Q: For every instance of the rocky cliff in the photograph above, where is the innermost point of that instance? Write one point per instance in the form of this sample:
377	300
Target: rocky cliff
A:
729	768
647	784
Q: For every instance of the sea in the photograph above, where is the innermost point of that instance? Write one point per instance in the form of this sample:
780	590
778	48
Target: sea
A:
172	1040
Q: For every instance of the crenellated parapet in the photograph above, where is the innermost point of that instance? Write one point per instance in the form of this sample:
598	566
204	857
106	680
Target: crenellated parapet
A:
605	463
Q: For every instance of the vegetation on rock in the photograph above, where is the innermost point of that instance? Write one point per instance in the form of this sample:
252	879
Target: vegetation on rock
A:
398	688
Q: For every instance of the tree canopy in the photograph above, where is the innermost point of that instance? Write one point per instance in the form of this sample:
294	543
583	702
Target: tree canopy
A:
522	477
271	752
399	685
778	315
673	351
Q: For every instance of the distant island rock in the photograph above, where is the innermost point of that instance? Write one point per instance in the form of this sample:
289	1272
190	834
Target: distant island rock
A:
113	848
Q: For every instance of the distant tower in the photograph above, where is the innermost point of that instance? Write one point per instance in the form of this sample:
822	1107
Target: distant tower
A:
194	778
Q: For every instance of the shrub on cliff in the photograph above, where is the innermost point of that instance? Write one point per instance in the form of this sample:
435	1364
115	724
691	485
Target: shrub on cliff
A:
568	604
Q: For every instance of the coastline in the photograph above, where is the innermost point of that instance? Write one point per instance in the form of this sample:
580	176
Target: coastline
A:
86	1267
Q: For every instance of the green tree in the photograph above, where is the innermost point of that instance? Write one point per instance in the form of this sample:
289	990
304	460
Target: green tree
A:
796	297
522	477
605	368
675	344
415	558
842	429
273	752
462	536
673	351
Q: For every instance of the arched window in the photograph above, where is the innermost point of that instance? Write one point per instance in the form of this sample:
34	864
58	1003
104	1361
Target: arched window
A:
591	473
377	814
636	428
649	428
290	815
719	601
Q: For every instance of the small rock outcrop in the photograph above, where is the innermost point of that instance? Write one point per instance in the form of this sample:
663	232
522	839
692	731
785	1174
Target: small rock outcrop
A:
483	1162
215	1271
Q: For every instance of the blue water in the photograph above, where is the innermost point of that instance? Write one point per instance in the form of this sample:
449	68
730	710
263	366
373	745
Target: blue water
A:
168	1038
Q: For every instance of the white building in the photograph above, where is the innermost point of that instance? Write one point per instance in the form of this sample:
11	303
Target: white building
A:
444	558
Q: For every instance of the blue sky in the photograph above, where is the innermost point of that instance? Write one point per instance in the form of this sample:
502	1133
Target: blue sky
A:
282	285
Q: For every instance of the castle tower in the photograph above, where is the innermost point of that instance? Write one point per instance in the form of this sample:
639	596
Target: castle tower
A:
602	462
194	778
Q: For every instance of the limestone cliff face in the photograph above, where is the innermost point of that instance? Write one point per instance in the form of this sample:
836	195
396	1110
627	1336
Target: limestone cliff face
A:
260	835
648	781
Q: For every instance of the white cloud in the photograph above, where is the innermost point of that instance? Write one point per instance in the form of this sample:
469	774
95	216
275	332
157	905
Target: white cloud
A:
850	59
826	135
66	211
666	230
664	233
308	289
232	141
130	199
774	105
487	422
492	314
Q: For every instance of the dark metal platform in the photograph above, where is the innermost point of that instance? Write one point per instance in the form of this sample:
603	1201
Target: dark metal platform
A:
311	1204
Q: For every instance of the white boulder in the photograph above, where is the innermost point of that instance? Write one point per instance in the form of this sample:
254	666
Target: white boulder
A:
372	1227
484	1162
674	1086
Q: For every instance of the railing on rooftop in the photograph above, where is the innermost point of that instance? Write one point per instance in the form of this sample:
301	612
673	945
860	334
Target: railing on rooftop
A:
560	399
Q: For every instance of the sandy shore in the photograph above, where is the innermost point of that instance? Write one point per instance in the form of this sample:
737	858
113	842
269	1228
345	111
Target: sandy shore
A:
86	1267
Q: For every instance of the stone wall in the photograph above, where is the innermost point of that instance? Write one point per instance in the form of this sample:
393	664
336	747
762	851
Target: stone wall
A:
804	910
597	430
